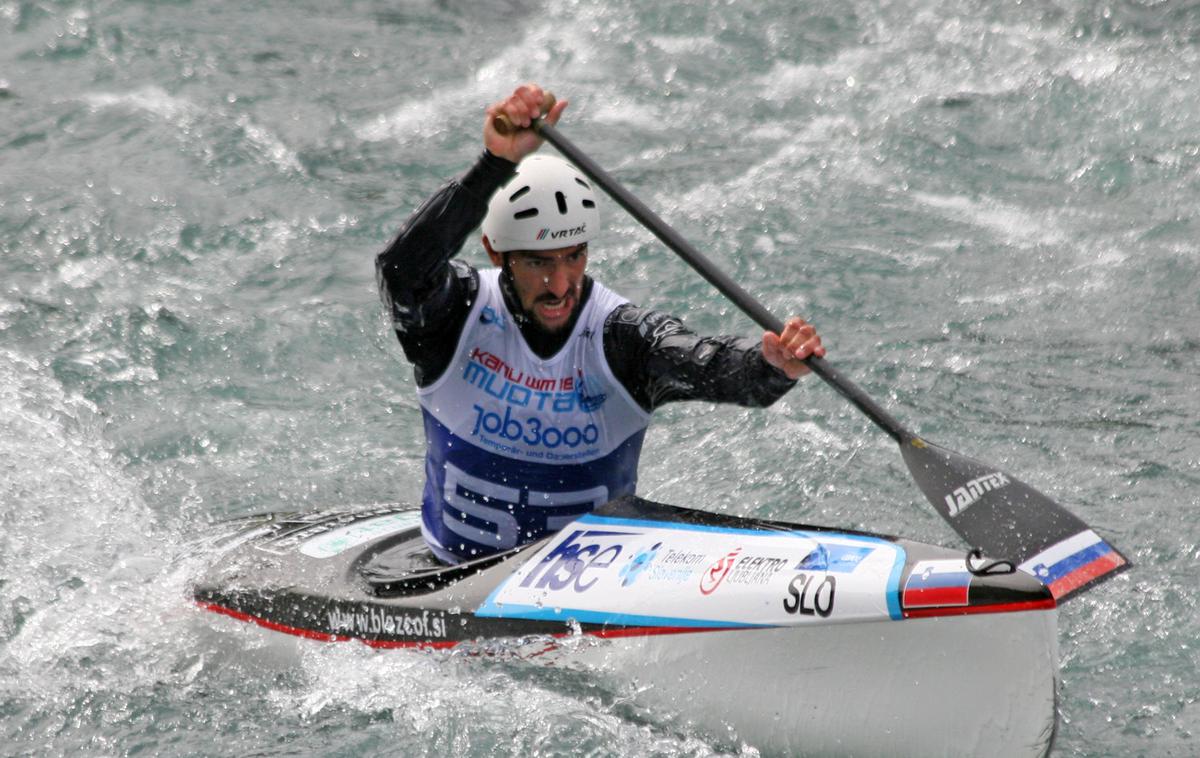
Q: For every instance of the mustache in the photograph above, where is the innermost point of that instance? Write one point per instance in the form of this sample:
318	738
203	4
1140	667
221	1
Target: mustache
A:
550	298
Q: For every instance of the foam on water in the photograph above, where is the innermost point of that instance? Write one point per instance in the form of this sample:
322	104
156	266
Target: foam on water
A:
989	210
435	704
150	99
1014	226
92	584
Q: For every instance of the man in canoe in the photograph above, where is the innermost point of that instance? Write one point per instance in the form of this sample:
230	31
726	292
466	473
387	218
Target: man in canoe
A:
536	382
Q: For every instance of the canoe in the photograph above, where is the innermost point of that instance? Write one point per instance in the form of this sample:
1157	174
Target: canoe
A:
794	639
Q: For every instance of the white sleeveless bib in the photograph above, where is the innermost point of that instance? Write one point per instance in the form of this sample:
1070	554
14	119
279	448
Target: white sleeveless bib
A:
518	445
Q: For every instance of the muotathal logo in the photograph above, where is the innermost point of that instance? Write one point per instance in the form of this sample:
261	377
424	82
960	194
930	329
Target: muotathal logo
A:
562	234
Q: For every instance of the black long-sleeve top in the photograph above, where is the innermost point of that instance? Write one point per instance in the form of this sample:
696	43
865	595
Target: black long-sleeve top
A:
655	357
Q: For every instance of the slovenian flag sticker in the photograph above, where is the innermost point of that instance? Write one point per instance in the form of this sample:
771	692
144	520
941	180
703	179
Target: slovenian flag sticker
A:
937	584
1072	563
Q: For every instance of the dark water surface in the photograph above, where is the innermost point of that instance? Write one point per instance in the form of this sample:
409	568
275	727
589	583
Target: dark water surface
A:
989	208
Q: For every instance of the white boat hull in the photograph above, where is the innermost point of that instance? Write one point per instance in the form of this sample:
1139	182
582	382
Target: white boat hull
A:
792	640
981	685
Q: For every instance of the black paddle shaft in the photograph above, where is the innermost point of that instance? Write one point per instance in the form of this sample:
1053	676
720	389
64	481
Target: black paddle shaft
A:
718	278
990	509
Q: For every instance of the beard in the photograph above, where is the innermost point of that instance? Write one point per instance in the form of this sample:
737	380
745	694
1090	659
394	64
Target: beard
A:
561	321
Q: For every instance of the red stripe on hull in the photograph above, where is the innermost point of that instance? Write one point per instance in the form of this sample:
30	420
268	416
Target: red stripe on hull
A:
310	634
651	631
646	631
1027	605
641	631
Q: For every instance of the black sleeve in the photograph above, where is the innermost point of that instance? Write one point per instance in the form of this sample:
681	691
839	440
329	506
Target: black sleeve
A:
427	295
659	360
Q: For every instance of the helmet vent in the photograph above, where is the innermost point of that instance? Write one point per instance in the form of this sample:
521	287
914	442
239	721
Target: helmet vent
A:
546	204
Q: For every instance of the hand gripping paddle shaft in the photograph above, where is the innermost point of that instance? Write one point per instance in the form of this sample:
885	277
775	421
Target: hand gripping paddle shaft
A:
989	508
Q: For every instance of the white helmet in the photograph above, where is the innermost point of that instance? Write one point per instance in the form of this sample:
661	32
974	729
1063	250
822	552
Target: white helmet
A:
547	205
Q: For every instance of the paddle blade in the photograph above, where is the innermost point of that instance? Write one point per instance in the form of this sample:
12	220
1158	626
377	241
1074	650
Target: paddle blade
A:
1008	519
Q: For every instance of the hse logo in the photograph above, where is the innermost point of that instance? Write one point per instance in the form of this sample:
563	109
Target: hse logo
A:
561	234
579	560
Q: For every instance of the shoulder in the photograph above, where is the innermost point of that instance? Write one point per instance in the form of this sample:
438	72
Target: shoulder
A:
464	275
634	335
629	320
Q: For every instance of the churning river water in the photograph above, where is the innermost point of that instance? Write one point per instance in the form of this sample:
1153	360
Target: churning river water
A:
990	209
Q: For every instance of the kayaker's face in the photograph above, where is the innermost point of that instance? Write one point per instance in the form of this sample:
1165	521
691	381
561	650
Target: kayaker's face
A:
548	283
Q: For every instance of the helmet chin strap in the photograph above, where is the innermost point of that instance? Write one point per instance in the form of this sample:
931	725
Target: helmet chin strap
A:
508	288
